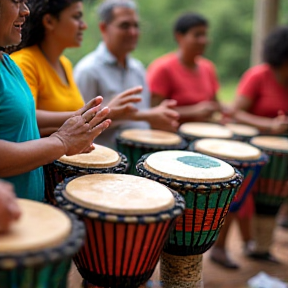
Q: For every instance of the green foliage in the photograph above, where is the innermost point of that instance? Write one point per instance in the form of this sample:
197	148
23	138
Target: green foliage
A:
231	24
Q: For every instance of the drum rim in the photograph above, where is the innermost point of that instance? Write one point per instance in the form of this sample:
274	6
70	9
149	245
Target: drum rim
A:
122	165
267	150
180	146
180	185
160	216
238	163
66	249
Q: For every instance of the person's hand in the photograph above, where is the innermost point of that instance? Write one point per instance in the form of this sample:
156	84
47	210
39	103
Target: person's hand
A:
121	106
9	209
91	104
163	117
279	124
78	132
205	109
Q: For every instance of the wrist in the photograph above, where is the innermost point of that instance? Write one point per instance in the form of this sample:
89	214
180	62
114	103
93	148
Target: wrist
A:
59	144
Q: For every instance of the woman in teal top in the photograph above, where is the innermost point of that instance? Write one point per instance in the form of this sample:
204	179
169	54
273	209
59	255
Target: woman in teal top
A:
22	153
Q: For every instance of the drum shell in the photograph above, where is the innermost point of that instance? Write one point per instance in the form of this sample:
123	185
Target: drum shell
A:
120	252
135	150
56	172
271	187
45	268
197	229
250	171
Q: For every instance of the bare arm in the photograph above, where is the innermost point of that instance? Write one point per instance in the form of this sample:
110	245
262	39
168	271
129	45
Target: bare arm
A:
75	136
275	125
198	112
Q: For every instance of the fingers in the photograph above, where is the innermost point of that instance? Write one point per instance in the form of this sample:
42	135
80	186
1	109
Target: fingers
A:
171	114
132	91
97	130
92	103
90	114
169	103
131	99
98	117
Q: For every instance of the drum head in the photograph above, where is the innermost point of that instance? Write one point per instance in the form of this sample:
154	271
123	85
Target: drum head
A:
40	226
205	130
119	194
101	157
242	130
228	149
271	143
156	137
189	166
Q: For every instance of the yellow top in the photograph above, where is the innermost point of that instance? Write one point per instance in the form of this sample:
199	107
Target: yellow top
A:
40	226
49	91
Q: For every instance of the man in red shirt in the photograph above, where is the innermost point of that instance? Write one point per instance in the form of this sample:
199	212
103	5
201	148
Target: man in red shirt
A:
185	75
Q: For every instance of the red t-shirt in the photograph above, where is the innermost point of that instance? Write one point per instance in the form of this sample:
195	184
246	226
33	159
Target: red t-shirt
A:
167	77
268	96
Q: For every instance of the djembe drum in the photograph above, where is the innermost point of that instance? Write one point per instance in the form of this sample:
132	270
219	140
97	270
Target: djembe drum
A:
136	142
37	251
270	190
192	131
128	219
246	158
101	160
208	186
242	132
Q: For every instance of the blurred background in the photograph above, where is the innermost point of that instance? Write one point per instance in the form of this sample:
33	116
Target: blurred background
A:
231	32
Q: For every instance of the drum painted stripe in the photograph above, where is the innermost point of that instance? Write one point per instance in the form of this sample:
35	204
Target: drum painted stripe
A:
202	222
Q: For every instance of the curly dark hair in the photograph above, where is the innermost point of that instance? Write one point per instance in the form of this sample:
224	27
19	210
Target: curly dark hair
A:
275	50
33	31
189	20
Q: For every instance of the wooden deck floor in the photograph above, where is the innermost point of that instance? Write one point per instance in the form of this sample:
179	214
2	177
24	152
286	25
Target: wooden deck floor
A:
217	277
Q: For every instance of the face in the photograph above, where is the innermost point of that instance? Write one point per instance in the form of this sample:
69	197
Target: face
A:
68	28
12	17
122	33
194	41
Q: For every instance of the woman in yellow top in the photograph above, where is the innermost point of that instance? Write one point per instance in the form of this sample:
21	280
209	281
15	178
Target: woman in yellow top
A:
53	26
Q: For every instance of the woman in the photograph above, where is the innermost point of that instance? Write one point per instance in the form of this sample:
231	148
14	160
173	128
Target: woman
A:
52	27
185	75
261	101
22	152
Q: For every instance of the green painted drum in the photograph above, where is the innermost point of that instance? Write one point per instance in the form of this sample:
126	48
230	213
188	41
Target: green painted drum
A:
271	188
37	250
134	143
208	186
192	131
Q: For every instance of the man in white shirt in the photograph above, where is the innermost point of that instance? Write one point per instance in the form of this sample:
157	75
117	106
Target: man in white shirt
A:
109	70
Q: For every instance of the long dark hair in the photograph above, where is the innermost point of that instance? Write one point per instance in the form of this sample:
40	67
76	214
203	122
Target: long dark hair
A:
33	31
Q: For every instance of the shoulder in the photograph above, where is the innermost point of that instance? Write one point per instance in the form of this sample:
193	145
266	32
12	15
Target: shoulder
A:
257	72
164	61
87	64
136	64
26	54
206	63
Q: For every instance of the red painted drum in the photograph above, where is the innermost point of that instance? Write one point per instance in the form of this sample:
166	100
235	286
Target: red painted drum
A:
128	220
